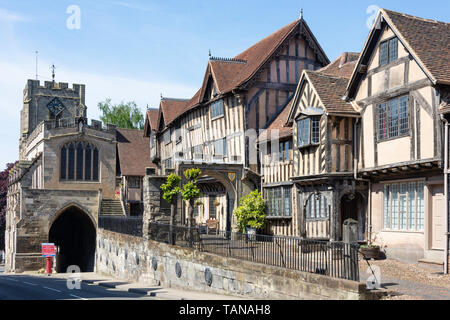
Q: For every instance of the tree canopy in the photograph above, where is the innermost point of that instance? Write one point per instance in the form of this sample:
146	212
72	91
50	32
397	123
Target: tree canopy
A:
123	115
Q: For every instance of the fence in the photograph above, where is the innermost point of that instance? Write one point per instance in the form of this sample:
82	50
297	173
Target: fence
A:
334	259
127	225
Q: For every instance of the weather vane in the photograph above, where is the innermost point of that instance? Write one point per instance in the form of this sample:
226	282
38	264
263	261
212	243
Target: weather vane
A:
53	71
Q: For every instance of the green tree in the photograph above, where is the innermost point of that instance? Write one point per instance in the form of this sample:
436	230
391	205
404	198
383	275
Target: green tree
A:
170	190
123	115
191	191
251	211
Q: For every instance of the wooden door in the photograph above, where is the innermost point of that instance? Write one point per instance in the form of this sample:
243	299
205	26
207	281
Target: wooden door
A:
438	218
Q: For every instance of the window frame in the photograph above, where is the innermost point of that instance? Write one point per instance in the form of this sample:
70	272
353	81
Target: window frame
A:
224	148
214	110
313	122
389	52
384	112
275	203
75	164
402	221
321	211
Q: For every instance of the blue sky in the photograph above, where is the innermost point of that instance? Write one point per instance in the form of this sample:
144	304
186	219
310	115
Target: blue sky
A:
136	49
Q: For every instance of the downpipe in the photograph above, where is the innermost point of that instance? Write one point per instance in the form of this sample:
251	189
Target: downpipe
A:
446	124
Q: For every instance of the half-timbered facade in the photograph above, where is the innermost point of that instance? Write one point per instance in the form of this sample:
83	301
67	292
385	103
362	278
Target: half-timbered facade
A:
322	123
216	130
398	85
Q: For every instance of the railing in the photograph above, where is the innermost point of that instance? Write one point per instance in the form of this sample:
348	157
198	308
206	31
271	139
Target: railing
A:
334	259
127	225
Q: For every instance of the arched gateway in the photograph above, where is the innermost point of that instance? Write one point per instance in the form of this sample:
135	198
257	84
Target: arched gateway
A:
74	233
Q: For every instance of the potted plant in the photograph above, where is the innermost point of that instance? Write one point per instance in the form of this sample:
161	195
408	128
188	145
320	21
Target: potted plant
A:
251	213
370	250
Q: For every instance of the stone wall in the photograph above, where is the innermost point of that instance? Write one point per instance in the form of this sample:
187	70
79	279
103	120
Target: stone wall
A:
135	259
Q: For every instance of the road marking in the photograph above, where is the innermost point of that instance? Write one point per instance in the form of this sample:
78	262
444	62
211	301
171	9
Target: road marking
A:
52	289
72	295
33	284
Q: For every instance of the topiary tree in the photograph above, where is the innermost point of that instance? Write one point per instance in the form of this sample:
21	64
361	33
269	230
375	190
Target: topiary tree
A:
191	191
170	190
251	211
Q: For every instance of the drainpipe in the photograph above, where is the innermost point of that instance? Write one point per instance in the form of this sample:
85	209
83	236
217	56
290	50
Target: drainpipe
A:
355	176
446	124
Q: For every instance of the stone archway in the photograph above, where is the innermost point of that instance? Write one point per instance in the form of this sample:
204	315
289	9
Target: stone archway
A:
231	195
74	232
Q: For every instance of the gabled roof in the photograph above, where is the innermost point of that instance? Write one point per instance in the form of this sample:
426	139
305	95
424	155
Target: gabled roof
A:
151	121
170	109
330	90
230	74
428	41
329	83
133	152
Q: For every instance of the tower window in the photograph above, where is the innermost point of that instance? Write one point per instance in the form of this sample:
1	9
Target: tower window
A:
79	162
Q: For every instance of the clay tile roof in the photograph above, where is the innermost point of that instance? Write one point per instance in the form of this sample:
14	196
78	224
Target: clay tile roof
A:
152	117
231	73
330	89
279	123
343	66
133	152
428	39
172	108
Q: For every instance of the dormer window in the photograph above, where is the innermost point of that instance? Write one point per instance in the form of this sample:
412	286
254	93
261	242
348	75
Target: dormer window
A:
388	51
308	132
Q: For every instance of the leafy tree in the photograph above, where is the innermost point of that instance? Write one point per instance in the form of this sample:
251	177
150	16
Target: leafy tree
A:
3	193
170	190
191	191
251	211
123	115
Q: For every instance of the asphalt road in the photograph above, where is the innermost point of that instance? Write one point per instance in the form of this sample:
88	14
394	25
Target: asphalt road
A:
29	287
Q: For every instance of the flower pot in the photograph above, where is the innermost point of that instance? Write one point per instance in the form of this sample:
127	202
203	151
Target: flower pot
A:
370	252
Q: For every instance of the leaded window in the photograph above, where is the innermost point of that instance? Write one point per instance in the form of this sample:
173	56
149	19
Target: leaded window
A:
79	162
393	118
216	109
317	207
388	51
167	136
279	201
308	131
284	148
404	206
134	182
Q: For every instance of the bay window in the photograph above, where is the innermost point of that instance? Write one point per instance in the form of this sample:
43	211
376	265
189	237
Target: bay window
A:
308	131
279	201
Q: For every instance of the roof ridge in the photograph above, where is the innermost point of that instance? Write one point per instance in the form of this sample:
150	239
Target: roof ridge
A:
232	60
173	99
414	17
130	129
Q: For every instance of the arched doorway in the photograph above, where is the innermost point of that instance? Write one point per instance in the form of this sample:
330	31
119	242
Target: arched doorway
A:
352	207
75	235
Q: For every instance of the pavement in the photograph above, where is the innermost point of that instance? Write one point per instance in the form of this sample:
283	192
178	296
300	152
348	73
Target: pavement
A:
35	286
411	281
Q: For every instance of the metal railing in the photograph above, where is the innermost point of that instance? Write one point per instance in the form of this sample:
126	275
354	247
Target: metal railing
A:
334	259
127	225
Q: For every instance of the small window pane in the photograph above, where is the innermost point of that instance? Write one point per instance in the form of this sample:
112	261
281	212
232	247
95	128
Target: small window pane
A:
315	130
95	166
394	209
300	133
420	206
387	224
287	201
306	130
88	163
382	123
412	206
79	161
384	55
402	208
63	162
404	126
393	49
393	118
71	174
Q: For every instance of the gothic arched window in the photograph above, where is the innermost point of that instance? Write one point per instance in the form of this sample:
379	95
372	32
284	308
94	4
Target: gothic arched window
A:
79	162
